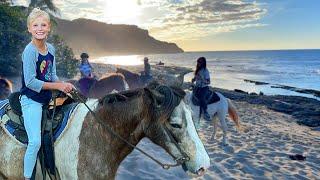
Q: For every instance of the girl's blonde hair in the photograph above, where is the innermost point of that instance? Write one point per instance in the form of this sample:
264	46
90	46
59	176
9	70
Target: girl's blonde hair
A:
35	13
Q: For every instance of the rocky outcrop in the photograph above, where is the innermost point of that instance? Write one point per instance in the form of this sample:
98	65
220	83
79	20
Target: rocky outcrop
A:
313	92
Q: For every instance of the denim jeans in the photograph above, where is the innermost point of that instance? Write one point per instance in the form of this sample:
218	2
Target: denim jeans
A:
202	94
32	113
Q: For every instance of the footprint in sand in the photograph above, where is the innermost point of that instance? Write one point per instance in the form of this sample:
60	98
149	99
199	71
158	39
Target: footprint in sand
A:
228	149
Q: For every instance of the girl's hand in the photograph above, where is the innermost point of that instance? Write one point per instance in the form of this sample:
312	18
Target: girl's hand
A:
66	87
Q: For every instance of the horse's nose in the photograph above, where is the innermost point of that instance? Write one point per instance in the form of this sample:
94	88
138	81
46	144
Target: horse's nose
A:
201	171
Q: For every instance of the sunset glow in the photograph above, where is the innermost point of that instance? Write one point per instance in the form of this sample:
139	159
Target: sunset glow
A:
120	60
209	25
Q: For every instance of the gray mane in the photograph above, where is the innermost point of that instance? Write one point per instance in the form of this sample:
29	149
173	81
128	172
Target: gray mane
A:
164	98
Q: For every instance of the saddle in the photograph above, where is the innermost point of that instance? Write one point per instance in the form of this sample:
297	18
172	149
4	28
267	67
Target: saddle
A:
11	119
211	97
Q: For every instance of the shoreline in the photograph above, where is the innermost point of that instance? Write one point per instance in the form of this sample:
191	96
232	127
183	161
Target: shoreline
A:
261	150
305	110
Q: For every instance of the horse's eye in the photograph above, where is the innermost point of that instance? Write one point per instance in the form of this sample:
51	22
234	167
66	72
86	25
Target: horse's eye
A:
176	126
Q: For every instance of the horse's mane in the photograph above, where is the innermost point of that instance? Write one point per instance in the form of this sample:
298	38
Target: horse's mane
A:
127	74
123	96
122	106
113	76
163	100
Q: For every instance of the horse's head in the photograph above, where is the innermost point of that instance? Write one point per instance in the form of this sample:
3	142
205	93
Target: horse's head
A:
5	88
133	79
172	128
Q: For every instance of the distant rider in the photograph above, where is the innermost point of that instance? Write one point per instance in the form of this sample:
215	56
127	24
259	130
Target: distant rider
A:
202	79
85	67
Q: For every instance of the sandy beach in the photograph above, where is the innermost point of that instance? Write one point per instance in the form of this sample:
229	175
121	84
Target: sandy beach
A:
260	151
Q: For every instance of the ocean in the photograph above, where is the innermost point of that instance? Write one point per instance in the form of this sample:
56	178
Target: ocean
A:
229	69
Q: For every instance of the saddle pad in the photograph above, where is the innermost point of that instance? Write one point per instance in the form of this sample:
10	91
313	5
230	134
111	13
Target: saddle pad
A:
21	135
64	123
212	98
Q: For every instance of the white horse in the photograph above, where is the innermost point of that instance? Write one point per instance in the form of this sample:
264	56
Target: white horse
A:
220	108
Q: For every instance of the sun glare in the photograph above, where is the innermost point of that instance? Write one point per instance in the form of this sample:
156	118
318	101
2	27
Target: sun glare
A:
120	60
122	12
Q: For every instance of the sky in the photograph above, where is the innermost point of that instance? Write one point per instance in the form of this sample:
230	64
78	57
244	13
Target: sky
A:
210	25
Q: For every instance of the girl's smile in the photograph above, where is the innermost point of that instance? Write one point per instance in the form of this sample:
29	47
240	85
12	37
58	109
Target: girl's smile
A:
39	28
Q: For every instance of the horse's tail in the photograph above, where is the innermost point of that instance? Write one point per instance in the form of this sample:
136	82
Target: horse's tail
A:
233	114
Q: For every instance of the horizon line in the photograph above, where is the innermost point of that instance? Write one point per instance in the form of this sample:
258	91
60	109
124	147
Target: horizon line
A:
252	50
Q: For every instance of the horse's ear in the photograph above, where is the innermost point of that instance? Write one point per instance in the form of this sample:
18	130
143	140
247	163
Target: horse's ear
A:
153	84
157	98
178	91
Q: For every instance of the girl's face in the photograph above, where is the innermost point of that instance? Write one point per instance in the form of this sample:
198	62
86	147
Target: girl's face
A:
39	28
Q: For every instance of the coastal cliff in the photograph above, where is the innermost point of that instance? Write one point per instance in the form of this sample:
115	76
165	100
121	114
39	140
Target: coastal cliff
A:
84	35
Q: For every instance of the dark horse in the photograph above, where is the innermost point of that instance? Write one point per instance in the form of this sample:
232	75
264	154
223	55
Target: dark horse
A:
134	80
93	88
5	88
88	150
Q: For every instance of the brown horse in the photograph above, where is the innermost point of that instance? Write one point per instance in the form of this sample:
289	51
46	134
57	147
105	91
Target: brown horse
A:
5	88
134	80
93	88
88	150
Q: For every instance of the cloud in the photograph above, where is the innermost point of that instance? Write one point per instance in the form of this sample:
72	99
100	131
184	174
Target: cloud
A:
199	18
69	9
90	9
194	32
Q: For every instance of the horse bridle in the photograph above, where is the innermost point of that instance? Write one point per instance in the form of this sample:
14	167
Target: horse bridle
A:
180	160
184	157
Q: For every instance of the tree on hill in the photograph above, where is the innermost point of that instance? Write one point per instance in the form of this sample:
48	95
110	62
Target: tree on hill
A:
13	38
67	64
44	4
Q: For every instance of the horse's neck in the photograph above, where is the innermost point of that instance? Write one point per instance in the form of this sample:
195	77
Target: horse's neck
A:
102	150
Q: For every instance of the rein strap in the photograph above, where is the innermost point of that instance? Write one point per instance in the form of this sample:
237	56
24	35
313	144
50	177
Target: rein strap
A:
77	97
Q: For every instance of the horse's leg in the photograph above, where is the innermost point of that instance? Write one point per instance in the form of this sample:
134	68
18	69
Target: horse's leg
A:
215	124
222	117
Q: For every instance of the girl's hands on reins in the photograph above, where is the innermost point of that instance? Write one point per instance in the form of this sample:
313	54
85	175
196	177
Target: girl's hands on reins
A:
66	87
